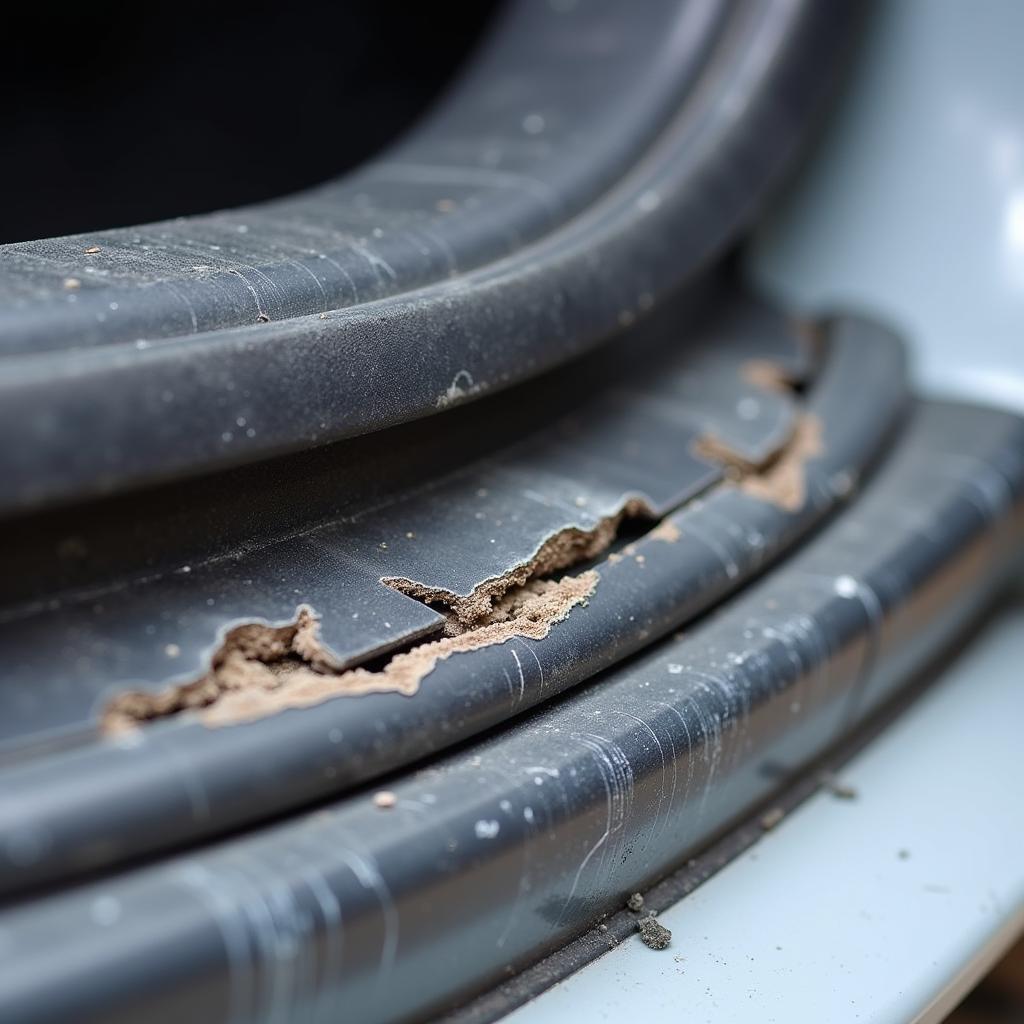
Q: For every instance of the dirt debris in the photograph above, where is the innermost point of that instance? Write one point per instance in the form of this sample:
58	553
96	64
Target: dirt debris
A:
841	790
635	903
653	933
666	531
767	376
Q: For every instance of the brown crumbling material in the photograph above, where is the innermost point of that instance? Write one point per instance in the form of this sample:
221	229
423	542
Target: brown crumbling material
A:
261	670
665	531
781	480
566	548
766	375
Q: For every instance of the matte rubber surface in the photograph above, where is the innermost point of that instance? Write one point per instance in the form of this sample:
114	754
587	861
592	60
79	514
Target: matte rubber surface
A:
479	253
179	781
505	850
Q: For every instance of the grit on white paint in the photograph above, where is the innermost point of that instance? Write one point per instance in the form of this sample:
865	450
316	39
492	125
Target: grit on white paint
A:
881	909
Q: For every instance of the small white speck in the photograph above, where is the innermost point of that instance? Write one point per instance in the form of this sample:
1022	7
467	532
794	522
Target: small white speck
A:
846	586
648	201
748	408
486	828
842	484
533	124
106	910
674	669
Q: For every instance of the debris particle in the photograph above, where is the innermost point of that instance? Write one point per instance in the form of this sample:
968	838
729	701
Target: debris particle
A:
635	903
385	799
771	818
903	855
780	480
262	318
838	789
767	376
172	650
653	934
462	386
666	531
71	283
533	124
92	250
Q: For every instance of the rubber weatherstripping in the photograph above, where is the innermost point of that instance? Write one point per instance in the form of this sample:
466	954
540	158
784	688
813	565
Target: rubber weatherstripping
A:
218	761
589	164
503	851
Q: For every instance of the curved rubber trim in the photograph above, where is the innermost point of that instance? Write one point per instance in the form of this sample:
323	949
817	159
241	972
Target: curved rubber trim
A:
180	781
158	411
398	906
589	447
